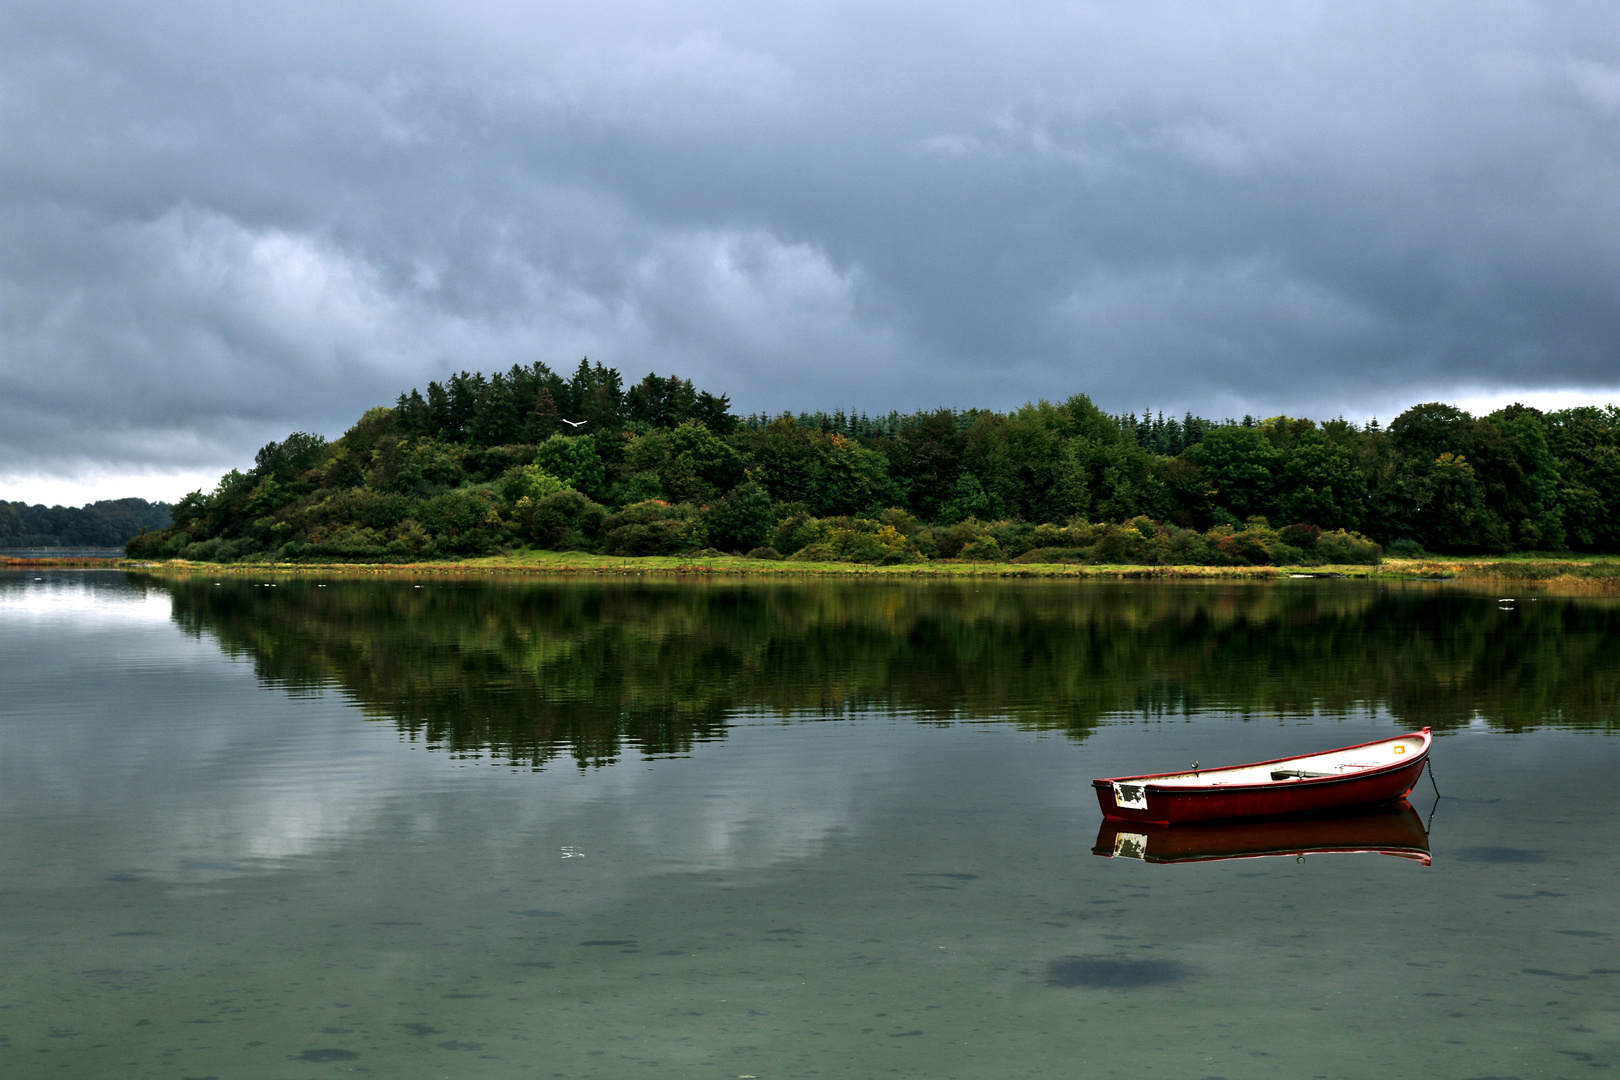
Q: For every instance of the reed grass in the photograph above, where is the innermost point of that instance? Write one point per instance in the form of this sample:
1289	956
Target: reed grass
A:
581	564
1595	574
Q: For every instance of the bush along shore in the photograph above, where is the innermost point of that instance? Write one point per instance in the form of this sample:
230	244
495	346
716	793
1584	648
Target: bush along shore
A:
530	461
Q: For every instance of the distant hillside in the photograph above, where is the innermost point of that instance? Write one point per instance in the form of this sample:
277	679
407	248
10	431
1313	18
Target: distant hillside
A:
108	523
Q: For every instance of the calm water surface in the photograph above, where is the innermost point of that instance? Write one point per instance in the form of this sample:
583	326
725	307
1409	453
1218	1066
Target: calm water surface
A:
466	828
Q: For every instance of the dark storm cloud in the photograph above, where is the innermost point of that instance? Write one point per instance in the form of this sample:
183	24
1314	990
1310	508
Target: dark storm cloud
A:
226	221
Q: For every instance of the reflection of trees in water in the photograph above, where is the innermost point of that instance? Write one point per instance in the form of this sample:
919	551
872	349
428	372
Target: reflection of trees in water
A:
529	670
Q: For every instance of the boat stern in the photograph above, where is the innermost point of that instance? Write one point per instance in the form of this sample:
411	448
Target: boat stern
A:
1125	801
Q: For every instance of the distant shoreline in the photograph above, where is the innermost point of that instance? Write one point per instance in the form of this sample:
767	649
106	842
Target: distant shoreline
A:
1594	573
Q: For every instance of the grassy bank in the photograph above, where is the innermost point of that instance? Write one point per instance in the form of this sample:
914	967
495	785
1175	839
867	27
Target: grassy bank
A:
578	563
1588	573
1595	573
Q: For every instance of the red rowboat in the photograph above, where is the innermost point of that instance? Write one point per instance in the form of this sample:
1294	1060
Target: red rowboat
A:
1358	775
1392	829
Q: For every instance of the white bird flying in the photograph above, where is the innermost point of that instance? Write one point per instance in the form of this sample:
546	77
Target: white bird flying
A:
573	423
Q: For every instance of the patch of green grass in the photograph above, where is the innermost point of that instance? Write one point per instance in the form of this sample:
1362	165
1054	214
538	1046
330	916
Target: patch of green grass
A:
581	563
1583	573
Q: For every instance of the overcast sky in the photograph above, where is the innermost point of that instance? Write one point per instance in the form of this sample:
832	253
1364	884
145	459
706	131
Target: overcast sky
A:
227	221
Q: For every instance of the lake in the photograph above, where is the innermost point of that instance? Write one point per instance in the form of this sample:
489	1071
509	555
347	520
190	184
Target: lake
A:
440	826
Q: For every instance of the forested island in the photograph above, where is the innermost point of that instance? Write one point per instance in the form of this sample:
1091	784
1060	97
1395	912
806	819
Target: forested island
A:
529	458
105	524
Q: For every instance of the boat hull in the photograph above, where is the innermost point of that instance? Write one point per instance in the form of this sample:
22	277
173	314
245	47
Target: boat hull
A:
1181	802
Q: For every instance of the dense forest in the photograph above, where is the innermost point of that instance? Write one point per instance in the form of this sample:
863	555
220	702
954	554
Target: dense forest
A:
530	458
108	523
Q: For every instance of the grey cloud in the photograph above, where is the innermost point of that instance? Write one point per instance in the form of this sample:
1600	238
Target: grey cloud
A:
228	221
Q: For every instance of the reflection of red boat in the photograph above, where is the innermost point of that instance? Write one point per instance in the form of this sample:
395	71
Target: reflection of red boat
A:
1358	775
1388	830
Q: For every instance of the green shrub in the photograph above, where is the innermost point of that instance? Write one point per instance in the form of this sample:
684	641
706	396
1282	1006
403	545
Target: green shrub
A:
902	521
573	459
857	540
740	520
1287	555
1340	546
653	528
1404	548
528	482
1053	555
1013	537
858	545
465	521
1253	547
815	553
234	550
1223	547
416	468
947	543
144	545
201	550
488	462
408	539
799	531
358	506
1059	536
1115	544
983	549
1303	537
346	544
564	520
1143	541
637	487
1190	548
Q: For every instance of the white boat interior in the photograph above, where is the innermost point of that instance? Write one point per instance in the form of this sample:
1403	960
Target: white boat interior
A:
1292	770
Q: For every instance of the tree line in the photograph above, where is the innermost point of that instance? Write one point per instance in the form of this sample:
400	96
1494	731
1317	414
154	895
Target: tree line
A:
109	523
528	457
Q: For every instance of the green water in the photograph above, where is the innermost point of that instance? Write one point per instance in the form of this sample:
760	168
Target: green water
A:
430	828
